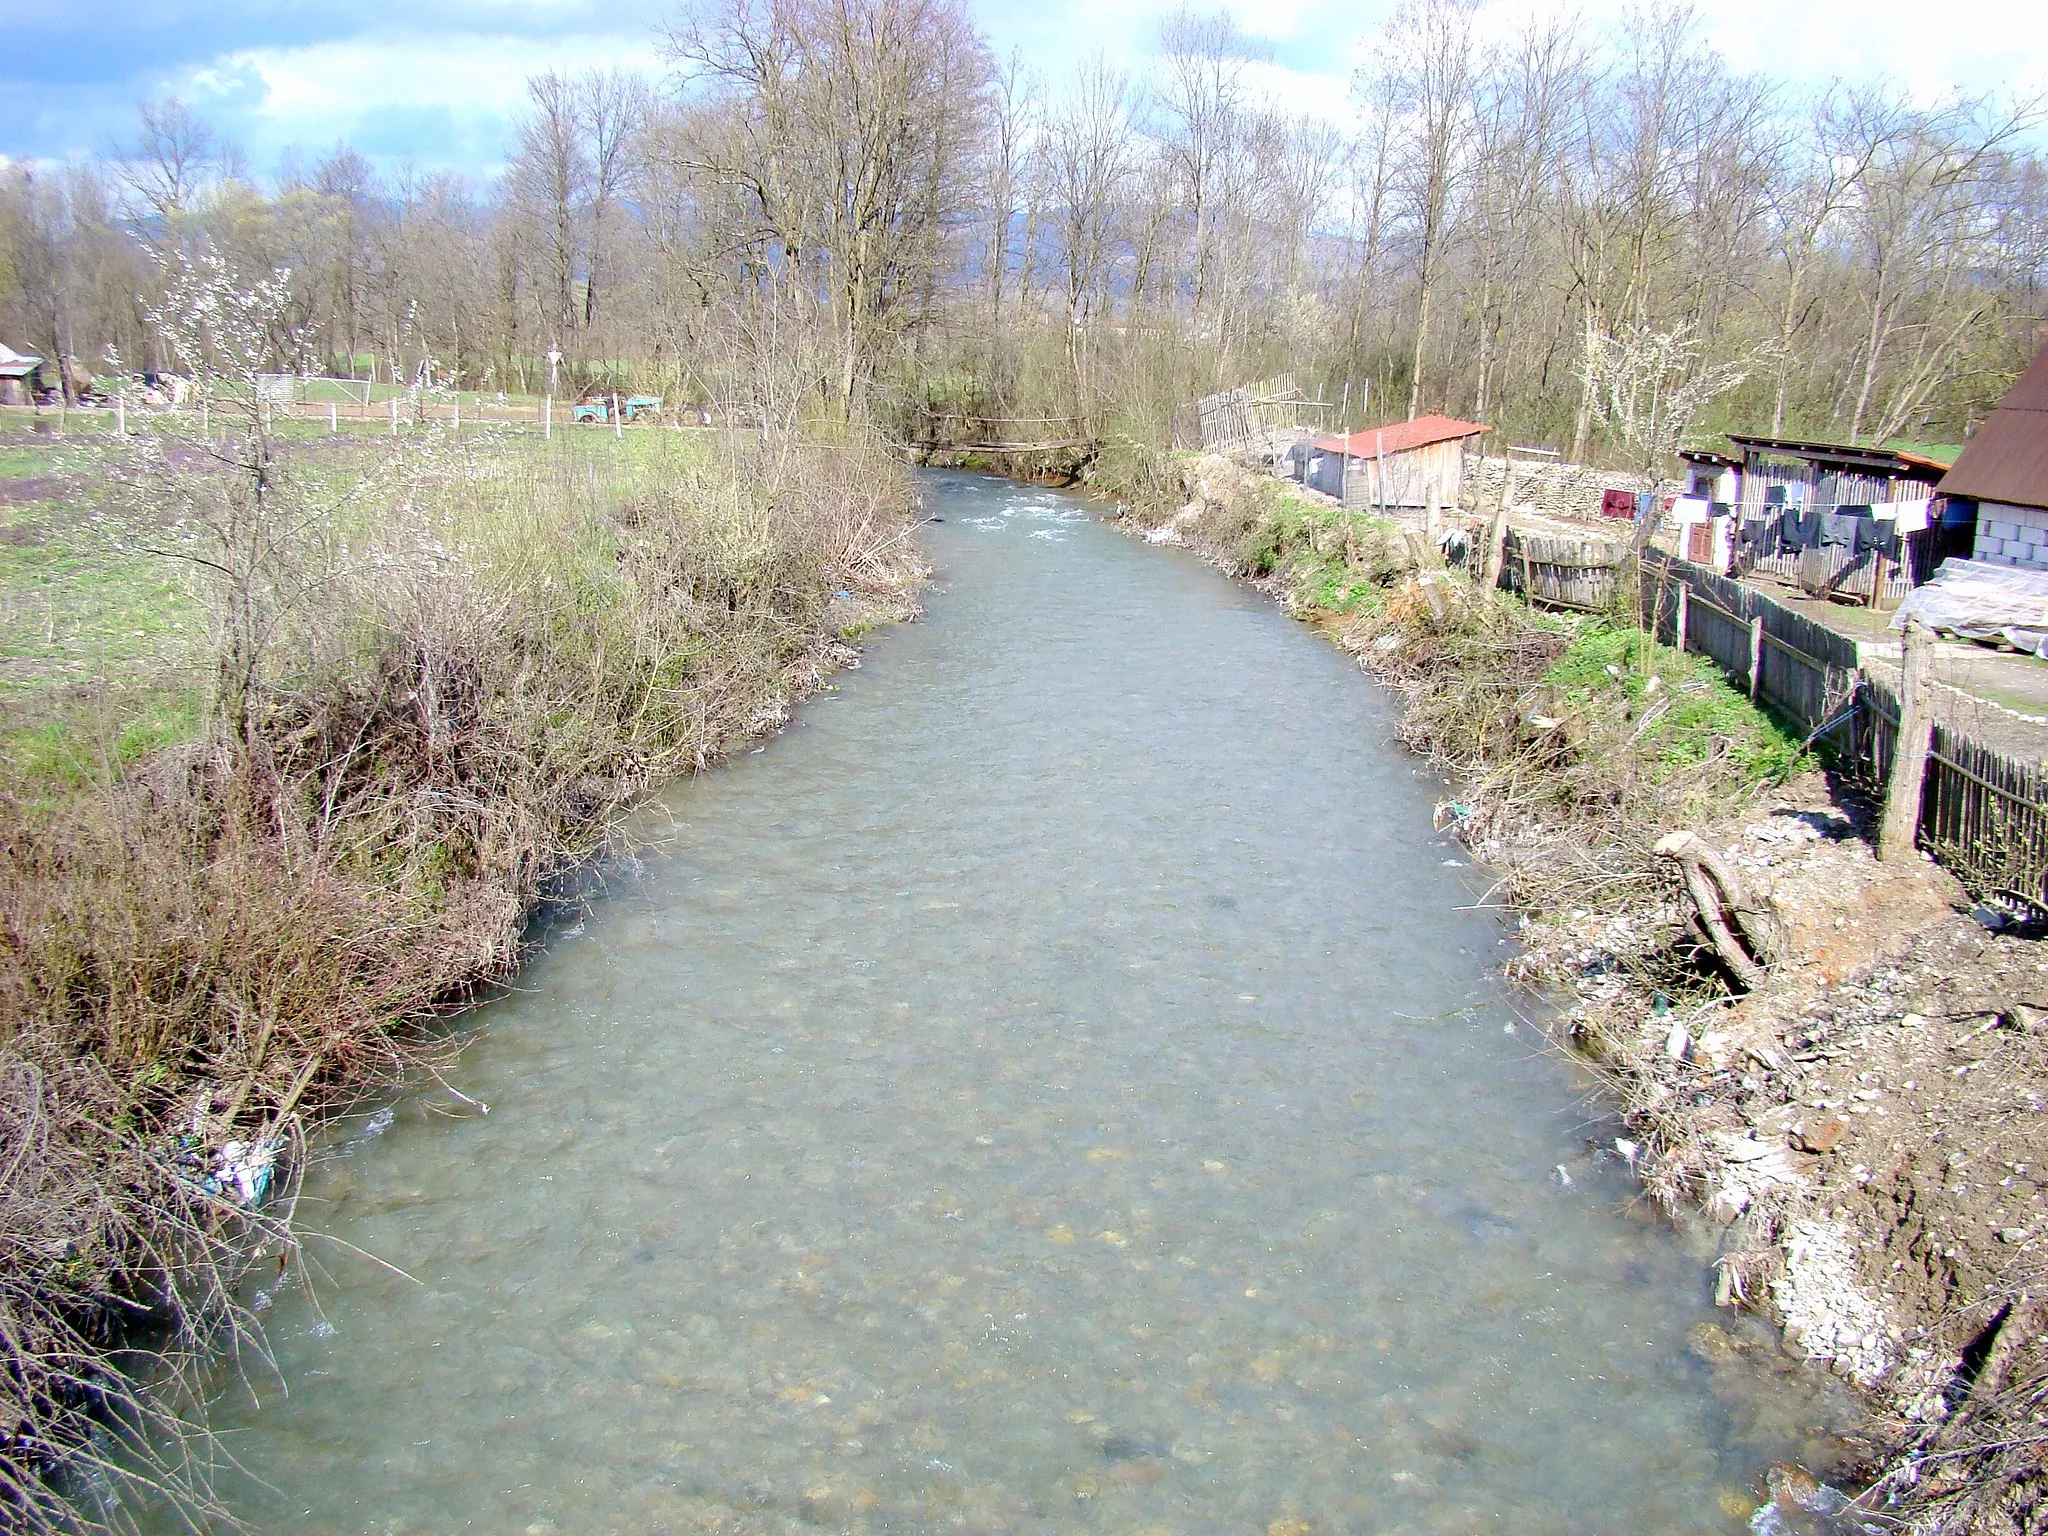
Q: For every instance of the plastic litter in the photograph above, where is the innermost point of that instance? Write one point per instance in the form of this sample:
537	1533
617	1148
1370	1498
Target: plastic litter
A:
1990	918
243	1170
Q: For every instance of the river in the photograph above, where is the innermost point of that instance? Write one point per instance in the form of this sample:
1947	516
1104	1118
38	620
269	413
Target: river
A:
1059	1085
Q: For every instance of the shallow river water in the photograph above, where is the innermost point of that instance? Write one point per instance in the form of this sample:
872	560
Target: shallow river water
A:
1057	1086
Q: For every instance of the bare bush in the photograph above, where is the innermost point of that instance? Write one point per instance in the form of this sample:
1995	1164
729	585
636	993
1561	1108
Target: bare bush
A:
197	961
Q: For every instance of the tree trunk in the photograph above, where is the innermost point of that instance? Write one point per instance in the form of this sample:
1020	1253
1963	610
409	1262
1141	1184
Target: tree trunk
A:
1745	930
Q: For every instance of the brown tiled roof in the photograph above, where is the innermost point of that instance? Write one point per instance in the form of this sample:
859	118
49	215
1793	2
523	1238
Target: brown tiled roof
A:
2008	458
1401	436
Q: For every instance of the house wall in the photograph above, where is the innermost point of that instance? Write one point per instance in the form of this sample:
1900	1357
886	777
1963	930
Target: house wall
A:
2008	535
1551	489
1713	481
1325	472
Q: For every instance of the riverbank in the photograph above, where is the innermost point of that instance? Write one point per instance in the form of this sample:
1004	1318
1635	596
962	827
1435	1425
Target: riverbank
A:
1866	1122
474	654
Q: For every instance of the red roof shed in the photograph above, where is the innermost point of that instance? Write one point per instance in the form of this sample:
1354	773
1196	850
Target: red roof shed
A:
1403	464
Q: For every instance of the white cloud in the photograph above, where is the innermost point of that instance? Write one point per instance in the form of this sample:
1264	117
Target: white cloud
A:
1301	93
455	70
321	92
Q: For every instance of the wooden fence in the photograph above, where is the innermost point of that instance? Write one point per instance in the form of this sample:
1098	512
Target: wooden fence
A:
1237	420
1562	572
1982	815
1802	669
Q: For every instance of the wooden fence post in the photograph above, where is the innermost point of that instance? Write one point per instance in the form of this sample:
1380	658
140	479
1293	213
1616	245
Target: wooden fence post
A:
1756	655
1496	542
1684	615
1909	753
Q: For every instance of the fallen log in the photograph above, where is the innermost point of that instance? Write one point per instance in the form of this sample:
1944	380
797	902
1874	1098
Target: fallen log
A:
1745	930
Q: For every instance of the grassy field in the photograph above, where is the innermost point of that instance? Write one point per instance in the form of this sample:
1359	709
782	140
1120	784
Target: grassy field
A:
105	655
98	649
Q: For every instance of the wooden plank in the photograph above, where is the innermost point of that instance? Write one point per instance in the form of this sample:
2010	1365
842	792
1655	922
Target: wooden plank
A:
1905	786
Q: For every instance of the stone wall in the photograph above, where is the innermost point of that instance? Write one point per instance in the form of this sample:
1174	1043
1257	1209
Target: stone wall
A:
1552	490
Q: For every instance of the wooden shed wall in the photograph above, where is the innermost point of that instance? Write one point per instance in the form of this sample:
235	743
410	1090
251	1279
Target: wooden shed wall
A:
1411	477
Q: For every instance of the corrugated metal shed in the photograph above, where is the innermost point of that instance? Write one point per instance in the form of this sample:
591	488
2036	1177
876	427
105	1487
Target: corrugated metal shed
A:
1884	461
2007	461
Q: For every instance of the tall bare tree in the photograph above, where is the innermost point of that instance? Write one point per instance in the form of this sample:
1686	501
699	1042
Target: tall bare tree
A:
1431	62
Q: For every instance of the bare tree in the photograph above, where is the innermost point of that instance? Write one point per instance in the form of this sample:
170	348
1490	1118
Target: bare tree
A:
1200	100
551	176
848	195
1087	161
173	158
845	127
612	107
1013	122
1431	64
1916	218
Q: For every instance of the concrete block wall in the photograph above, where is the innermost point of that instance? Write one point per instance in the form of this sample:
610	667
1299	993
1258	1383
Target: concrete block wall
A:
2012	535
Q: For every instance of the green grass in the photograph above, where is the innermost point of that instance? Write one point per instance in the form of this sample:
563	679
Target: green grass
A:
74	611
1610	666
96	740
1333	560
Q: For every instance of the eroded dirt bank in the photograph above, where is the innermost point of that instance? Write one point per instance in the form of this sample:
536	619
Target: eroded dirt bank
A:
1868	1122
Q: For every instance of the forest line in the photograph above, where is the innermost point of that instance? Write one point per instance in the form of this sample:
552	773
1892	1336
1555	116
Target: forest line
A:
848	209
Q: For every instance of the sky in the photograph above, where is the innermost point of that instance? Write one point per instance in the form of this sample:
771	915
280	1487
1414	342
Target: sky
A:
438	84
